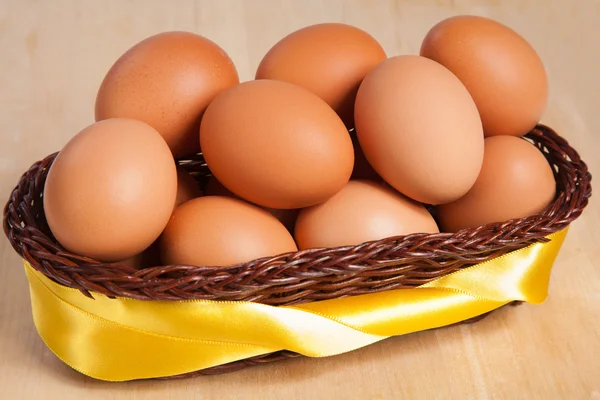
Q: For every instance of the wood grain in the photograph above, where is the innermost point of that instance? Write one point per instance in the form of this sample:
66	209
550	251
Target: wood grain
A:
53	55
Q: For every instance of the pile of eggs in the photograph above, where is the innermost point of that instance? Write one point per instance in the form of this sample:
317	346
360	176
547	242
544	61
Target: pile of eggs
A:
333	144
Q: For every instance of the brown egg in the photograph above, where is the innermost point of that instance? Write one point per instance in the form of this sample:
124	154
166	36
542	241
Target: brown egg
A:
111	190
221	231
515	181
419	129
187	187
276	144
167	81
500	69
286	217
329	59
362	211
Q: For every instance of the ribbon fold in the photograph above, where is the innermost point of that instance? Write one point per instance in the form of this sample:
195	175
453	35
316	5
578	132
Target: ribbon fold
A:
124	339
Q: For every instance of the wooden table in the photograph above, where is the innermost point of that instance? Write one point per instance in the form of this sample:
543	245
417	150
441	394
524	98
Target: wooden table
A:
53	55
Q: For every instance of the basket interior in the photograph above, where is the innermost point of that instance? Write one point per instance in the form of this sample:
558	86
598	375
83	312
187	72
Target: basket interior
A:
308	275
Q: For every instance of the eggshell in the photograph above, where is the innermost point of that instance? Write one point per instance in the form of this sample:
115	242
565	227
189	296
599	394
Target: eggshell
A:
500	69
167	81
286	217
362	211
515	181
329	59
111	190
221	231
276	144
187	187
419	129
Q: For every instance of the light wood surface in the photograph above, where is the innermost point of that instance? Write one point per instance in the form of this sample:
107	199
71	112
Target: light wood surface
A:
53	55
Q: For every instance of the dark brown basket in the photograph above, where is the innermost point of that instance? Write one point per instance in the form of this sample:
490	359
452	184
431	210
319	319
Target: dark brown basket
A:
304	276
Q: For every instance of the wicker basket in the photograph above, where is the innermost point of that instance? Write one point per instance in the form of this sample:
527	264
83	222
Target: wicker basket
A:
304	276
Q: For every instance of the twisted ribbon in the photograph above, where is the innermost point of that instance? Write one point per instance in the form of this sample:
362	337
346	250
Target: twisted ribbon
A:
124	339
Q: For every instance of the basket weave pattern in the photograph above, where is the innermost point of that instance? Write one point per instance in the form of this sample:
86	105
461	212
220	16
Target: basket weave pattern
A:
304	276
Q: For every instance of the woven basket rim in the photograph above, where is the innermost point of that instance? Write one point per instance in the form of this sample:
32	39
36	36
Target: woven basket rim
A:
307	275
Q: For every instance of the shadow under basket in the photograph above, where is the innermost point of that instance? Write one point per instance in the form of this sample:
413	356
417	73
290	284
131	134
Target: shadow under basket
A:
304	276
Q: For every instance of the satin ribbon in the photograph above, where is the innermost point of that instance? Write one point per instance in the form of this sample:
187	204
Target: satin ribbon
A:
124	339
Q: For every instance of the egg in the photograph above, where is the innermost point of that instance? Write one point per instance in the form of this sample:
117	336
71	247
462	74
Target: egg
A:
111	190
222	231
419	129
516	181
286	217
329	59
276	144
167	81
362	211
187	187
503	72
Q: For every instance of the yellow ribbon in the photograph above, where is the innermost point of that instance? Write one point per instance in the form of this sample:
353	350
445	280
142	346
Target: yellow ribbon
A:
123	339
